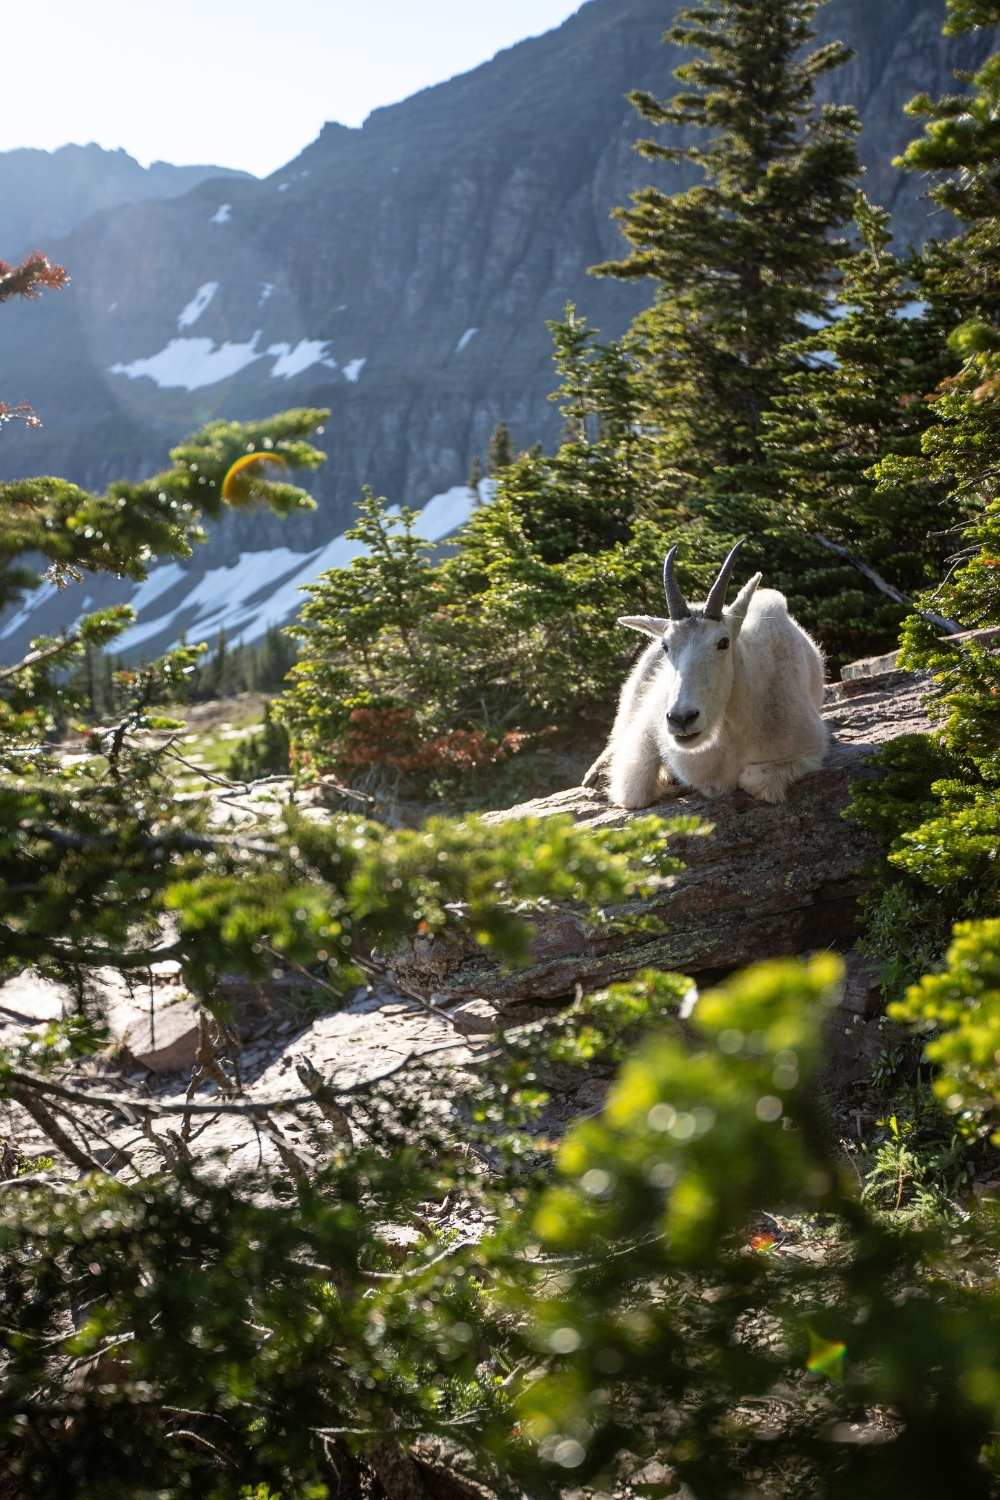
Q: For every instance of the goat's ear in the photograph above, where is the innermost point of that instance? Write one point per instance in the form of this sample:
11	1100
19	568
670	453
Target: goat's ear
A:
648	624
737	611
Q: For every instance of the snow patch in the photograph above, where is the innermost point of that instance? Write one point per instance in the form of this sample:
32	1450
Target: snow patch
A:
190	364
37	597
194	309
466	339
159	581
445	513
283	187
266	290
353	369
222	214
235	598
293	360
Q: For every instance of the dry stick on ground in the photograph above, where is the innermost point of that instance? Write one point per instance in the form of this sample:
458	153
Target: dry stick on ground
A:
290	1158
374	972
46	1121
951	627
312	1079
133	1109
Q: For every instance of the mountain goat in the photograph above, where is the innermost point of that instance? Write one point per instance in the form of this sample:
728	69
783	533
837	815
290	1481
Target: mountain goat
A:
722	698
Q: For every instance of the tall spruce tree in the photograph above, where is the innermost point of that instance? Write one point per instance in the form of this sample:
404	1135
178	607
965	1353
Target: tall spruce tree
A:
501	450
868	393
961	448
741	259
961	146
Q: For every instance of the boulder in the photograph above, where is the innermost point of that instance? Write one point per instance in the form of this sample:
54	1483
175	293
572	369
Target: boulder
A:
768	880
154	1020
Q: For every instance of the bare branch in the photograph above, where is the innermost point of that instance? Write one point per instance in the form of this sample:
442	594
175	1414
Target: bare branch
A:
311	1078
951	627
34	657
133	1109
47	1122
176	841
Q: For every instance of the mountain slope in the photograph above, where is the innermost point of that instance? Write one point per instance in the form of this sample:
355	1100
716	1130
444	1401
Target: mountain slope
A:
400	274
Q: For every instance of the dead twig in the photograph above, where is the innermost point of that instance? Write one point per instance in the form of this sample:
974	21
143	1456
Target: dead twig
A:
428	1265
375	972
312	1079
47	1122
951	627
133	1109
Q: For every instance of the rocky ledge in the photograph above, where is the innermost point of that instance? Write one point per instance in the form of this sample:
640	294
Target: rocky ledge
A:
768	880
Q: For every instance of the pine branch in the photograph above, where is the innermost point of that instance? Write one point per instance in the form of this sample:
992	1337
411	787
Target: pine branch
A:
34	657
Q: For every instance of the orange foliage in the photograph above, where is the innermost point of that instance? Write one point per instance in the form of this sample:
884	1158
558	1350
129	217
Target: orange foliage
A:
389	737
27	279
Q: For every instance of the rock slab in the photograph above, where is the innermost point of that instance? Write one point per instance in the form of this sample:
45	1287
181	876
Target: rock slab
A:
768	880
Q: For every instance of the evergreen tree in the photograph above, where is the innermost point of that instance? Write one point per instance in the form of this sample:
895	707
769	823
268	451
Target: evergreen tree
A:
868	393
586	496
741	259
501	450
961	145
475	478
422	675
939	796
270	662
218	669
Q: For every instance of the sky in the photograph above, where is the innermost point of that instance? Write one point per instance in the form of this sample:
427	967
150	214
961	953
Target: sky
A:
245	84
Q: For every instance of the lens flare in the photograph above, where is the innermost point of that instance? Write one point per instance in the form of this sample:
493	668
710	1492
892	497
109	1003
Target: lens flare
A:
242	477
826	1357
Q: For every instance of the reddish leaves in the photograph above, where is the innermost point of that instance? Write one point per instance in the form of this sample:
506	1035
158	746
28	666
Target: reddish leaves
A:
22	412
28	279
388	737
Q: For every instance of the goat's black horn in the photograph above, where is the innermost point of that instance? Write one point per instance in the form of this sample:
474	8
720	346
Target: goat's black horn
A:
716	601
676	603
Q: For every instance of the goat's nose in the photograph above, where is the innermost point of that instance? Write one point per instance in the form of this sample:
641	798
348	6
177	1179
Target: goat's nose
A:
681	720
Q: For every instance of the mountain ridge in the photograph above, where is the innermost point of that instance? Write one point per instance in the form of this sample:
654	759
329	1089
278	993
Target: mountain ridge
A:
400	272
47	194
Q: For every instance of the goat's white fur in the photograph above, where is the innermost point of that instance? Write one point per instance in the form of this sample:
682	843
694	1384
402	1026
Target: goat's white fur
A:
758	702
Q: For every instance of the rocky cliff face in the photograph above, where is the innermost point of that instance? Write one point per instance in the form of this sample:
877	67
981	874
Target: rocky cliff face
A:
400	274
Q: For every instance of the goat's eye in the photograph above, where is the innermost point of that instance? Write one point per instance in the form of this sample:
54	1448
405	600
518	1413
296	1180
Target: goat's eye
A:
723	645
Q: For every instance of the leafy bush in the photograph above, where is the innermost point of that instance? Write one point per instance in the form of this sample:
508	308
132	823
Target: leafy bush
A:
661	1326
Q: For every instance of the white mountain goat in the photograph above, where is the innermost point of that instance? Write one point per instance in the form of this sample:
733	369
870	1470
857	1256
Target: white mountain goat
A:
723	698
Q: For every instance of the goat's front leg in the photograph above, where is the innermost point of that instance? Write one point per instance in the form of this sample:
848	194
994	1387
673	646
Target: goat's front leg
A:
637	776
769	781
599	767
